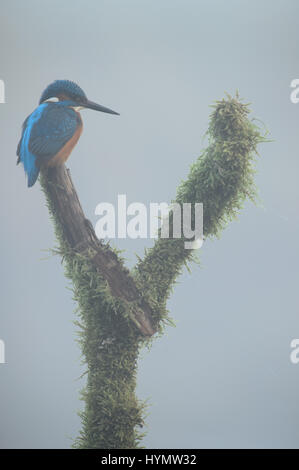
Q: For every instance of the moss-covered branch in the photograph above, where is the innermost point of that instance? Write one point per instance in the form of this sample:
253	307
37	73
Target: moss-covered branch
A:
79	235
221	179
109	339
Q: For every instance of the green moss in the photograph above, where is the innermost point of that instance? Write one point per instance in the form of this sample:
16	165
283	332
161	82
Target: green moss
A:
221	179
110	343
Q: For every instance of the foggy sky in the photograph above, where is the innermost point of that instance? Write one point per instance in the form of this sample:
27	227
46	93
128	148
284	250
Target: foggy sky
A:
223	377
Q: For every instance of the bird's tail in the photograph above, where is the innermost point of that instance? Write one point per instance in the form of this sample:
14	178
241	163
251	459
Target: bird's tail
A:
32	176
30	167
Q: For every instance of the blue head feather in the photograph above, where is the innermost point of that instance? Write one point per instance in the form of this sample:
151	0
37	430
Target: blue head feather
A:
65	88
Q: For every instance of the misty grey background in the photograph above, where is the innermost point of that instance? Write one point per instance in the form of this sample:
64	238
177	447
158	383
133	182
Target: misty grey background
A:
223	376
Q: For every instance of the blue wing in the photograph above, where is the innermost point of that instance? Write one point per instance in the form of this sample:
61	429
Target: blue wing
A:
45	132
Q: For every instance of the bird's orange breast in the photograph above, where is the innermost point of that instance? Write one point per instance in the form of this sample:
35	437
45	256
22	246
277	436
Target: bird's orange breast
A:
66	150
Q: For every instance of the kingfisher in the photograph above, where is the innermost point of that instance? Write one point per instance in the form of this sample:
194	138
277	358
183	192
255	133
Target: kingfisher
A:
52	130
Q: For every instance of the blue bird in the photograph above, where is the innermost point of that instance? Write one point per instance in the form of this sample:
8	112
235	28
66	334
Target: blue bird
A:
50	133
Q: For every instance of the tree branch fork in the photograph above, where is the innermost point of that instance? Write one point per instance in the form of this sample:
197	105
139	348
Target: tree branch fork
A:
81	237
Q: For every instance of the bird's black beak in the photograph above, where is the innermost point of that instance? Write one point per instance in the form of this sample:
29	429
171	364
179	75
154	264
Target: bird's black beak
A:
98	107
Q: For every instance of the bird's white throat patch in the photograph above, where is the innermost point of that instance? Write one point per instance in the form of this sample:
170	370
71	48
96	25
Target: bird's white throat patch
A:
77	108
